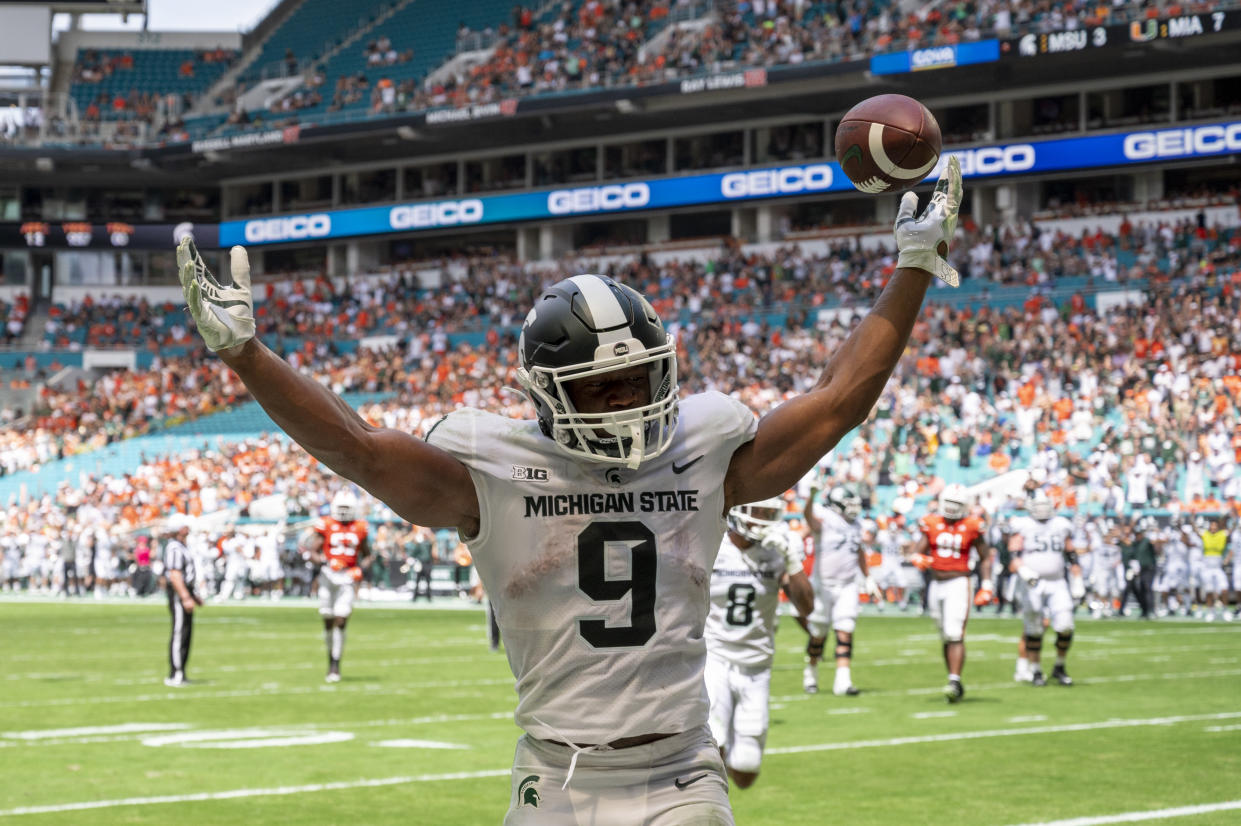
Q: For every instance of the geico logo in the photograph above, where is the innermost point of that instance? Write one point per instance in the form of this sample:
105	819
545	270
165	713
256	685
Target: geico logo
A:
992	160
442	214
597	198
930	57
1171	143
291	228
784	181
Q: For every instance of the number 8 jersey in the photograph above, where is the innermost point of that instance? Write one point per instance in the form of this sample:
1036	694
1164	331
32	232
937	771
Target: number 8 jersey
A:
745	594
599	576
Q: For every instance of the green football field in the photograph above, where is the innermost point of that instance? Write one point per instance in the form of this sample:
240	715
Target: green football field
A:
420	730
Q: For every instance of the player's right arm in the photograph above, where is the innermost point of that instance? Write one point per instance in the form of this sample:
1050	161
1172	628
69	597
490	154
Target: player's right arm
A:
812	521
800	592
421	483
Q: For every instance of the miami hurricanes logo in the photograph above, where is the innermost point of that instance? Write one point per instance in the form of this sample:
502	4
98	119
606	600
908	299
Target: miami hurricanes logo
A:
527	794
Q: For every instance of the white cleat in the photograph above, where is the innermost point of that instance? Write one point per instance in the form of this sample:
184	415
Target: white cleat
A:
332	677
175	680
810	681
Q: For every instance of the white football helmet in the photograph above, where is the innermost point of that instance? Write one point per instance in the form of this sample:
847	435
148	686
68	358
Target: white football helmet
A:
754	519
1041	507
844	501
954	502
585	327
344	506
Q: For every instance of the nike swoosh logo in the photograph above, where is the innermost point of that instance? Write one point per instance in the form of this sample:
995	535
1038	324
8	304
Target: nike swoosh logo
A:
684	784
678	469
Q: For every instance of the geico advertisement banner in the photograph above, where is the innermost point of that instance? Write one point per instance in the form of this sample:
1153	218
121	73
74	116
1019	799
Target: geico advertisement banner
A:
720	188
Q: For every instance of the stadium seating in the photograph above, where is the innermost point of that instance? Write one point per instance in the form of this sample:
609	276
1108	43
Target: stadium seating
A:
314	28
123	84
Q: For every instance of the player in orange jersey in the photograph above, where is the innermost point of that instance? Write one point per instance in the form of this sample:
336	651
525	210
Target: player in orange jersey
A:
338	543
947	538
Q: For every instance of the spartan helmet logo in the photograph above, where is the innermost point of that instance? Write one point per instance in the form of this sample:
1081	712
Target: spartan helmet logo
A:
527	794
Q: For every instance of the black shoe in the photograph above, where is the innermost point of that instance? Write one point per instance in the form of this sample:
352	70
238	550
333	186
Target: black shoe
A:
954	691
1038	679
1061	676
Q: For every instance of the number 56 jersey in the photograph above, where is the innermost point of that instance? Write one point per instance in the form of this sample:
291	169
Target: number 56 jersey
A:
599	576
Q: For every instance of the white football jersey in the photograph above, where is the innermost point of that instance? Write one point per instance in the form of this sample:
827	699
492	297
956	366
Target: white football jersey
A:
1044	544
835	554
600	575
745	594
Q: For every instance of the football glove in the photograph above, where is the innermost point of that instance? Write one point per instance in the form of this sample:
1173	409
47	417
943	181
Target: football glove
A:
1028	576
337	564
923	240
356	573
873	590
1131	572
984	596
224	315
1077	588
921	561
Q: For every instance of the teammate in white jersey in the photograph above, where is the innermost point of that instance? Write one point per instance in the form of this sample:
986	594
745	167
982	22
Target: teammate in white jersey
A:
1039	546
595	526
757	558
839	562
1172	580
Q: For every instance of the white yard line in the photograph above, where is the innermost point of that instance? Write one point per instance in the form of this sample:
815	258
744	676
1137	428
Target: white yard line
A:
972	687
1151	814
184	694
1003	732
233	794
84	731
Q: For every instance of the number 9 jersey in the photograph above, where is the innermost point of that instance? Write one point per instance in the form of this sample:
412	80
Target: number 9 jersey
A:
599	575
949	542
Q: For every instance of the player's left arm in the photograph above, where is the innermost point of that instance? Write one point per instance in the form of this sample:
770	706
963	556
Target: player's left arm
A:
791	439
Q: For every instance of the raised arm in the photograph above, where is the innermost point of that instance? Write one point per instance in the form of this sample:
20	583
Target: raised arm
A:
421	483
792	438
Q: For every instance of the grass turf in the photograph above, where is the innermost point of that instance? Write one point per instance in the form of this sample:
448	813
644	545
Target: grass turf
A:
1116	742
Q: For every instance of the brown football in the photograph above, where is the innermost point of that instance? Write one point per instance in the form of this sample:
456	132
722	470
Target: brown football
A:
887	143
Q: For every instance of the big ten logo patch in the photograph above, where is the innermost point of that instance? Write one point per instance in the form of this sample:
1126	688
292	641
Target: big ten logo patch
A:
529	474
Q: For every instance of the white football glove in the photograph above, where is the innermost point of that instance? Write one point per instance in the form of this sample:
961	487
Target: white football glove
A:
1028	576
873	590
923	240
1077	588
777	539
224	315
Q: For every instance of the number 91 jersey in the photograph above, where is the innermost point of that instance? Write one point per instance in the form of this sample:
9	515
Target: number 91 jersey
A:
599	576
745	594
949	542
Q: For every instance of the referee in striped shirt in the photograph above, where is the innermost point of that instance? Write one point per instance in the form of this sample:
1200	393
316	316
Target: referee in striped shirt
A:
179	570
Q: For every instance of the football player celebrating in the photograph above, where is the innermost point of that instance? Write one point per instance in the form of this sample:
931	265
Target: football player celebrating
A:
757	558
337	542
1039	546
947	539
594	527
839	561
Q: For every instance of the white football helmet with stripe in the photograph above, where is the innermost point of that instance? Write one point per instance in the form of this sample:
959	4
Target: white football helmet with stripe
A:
587	326
344	506
954	502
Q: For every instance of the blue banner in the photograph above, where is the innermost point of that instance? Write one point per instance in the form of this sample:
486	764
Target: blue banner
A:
936	57
1055	155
